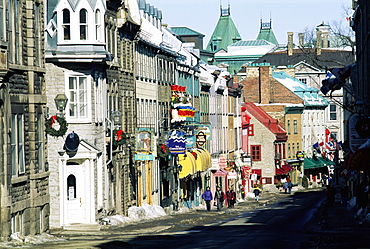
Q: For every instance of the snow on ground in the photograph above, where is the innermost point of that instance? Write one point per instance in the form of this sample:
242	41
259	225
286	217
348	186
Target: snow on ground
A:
17	240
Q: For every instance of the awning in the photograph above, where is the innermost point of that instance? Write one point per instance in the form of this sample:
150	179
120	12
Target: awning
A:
312	163
187	161
206	157
280	172
287	167
199	161
220	173
257	172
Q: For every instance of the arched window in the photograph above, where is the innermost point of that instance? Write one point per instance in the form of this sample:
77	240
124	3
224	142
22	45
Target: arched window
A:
66	25
97	25
71	187
83	24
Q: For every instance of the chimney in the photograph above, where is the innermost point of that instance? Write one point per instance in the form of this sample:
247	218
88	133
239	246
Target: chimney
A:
301	39
290	43
265	91
318	42
325	40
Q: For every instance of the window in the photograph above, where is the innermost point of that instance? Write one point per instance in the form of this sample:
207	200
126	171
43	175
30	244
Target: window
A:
97	25
17	145
2	20
303	80
297	150
83	24
288	127
71	187
78	97
333	112
251	130
289	152
17	222
40	142
66	25
37	35
256	152
295	127
17	33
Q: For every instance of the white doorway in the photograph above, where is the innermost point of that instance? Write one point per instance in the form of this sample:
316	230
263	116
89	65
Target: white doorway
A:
76	193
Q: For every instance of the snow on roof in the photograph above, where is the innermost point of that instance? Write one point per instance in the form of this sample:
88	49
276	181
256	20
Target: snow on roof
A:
149	33
310	95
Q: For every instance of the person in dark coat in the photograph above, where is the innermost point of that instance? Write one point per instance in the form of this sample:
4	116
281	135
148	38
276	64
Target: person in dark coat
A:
219	198
207	197
256	192
231	196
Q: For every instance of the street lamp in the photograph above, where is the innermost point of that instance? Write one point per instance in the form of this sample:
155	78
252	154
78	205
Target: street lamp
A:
61	102
117	118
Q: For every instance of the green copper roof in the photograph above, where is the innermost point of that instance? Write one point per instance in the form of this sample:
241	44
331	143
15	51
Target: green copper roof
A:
224	34
266	33
185	31
250	43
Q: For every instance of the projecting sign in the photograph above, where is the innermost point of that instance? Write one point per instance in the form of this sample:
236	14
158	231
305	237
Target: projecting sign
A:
355	140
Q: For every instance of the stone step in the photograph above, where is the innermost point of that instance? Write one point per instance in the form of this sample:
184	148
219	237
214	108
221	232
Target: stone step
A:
82	227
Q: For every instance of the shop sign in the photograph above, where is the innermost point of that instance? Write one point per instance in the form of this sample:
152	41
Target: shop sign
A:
201	139
177	142
144	157
355	140
144	140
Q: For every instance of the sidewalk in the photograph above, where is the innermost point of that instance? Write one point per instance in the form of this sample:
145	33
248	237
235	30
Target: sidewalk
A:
336	226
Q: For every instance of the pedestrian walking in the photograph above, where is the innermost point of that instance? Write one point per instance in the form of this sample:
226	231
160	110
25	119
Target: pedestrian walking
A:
285	186
242	193
290	186
219	198
207	197
256	192
231	196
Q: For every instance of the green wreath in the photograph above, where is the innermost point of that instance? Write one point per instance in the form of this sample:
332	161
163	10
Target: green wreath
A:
53	132
119	138
163	150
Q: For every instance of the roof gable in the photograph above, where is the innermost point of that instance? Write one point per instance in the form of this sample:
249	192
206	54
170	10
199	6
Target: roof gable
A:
266	33
270	123
186	31
224	34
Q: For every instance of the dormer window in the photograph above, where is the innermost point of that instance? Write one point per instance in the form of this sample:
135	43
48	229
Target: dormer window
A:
83	24
66	25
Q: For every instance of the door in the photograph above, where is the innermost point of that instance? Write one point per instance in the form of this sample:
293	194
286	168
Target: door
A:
76	194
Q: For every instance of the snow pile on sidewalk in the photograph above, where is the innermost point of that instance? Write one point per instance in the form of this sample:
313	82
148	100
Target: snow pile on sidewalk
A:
18	240
135	214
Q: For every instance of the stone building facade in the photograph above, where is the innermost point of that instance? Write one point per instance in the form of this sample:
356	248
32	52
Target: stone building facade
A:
24	172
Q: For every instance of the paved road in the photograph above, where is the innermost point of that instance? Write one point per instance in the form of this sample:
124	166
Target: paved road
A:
277	221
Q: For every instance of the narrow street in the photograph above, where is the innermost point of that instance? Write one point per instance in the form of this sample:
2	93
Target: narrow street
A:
277	221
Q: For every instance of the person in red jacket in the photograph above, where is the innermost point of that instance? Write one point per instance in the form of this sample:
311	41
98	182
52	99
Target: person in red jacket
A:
231	196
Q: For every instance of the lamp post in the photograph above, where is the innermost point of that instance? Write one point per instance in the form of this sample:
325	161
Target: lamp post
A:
117	118
61	103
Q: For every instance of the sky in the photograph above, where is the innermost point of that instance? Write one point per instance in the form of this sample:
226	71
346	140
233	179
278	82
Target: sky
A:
286	15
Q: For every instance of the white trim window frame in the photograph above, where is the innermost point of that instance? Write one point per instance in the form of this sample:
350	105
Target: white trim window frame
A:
18	163
78	91
40	143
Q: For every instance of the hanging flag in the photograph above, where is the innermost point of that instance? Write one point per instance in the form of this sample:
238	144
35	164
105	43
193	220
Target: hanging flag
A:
330	83
330	145
316	147
339	144
342	73
327	135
